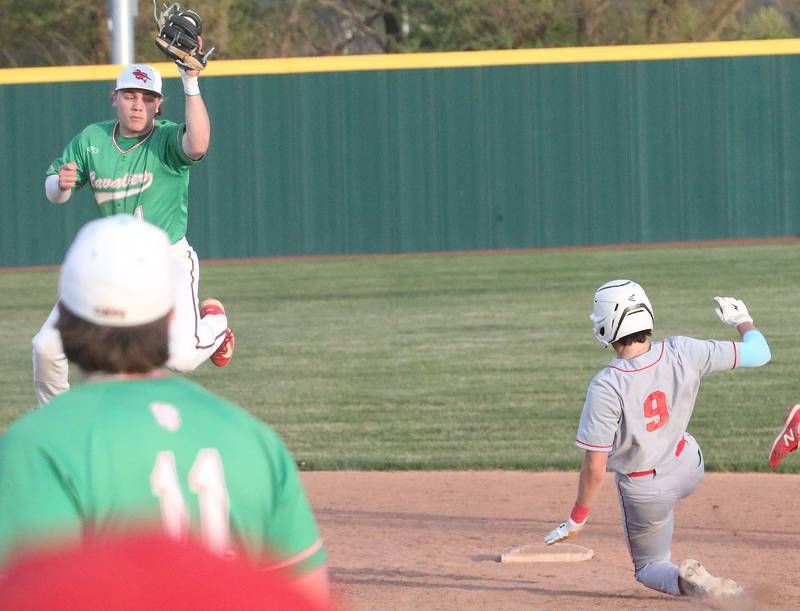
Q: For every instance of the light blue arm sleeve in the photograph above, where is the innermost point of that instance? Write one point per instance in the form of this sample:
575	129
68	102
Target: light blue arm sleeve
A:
753	350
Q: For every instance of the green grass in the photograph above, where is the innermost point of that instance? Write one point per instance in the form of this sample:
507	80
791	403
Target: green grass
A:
462	361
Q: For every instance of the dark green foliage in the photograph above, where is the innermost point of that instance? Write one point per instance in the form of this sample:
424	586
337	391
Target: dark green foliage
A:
41	33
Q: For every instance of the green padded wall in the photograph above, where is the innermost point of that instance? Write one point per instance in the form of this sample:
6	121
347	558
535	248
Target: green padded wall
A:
388	161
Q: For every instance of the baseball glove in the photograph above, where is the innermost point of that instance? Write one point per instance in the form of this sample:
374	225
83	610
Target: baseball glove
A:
180	37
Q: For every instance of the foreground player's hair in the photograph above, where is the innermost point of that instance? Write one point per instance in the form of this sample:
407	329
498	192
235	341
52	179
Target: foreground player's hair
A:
116	296
94	347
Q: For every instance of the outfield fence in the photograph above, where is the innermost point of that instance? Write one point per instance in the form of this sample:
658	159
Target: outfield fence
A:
447	151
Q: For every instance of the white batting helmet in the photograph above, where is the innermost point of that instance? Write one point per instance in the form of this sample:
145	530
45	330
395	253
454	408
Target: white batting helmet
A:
621	307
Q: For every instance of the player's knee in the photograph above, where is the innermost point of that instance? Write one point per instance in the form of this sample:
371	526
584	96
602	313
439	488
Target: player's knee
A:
645	573
180	366
182	361
660	575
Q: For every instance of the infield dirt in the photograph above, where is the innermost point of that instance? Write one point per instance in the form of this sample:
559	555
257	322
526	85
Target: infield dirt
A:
431	540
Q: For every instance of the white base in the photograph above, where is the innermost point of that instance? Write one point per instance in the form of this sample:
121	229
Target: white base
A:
539	552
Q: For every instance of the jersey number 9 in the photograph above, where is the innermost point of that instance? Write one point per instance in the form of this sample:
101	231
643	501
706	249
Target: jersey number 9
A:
655	406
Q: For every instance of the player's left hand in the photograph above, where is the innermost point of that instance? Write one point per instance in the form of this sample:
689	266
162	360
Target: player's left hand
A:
732	311
187	72
564	531
180	37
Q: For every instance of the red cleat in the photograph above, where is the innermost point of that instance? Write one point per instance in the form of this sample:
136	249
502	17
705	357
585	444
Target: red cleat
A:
223	355
786	442
211	306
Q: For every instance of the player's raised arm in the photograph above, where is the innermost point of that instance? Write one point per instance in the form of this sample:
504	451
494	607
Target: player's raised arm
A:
197	136
180	38
753	350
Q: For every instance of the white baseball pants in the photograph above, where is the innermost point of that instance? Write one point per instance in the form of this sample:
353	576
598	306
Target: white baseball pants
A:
192	339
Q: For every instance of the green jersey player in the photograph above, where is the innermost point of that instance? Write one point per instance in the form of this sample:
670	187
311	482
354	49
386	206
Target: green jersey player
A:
135	445
138	164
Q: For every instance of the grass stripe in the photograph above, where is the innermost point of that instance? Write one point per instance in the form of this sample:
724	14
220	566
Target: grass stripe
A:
465	361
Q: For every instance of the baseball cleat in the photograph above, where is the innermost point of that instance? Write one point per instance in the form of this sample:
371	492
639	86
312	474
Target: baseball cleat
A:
697	581
223	355
786	442
211	307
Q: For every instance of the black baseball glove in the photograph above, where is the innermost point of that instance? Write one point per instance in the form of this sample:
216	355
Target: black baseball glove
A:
180	37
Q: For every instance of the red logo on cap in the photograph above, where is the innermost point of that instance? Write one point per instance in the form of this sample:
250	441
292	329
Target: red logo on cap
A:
140	75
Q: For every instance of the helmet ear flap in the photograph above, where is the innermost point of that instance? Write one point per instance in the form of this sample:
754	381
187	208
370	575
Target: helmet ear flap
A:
600	322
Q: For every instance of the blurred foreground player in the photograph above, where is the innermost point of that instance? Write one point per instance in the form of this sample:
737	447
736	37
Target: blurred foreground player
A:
136	445
145	571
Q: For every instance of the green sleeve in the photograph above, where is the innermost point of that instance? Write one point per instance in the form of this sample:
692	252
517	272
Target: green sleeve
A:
174	156
292	528
75	151
37	500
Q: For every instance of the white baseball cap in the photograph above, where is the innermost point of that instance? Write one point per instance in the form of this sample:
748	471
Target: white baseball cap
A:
118	273
140	76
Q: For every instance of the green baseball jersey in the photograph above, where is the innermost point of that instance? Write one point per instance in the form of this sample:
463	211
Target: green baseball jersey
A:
147	177
110	456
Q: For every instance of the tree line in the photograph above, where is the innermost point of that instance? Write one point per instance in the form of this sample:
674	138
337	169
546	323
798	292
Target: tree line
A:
67	32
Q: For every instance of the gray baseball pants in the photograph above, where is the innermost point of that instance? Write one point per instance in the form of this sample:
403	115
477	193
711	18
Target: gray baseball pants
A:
647	502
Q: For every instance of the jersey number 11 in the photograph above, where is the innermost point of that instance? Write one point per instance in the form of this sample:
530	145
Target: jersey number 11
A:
207	481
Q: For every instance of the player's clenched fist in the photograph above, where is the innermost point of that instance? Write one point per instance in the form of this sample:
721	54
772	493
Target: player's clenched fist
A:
564	531
67	176
732	311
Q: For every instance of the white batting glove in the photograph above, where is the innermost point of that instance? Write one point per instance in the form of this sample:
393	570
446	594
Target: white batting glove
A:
564	531
732	311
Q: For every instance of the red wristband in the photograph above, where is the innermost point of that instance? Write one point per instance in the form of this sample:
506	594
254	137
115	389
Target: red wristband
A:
579	514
